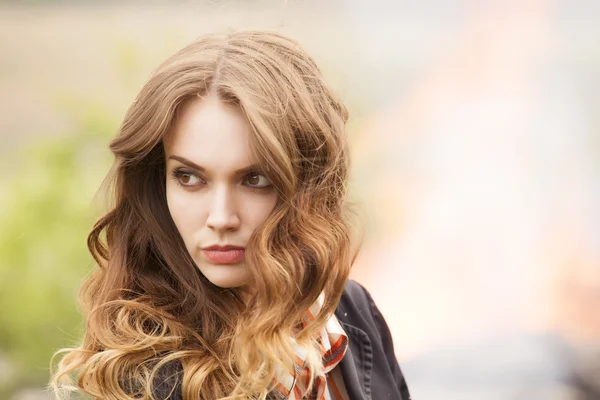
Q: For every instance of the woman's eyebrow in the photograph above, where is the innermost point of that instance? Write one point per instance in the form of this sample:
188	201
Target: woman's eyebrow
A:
241	171
187	162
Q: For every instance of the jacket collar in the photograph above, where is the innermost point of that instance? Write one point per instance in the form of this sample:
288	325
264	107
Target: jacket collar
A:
357	363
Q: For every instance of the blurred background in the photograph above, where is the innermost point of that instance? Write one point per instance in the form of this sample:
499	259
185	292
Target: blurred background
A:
476	161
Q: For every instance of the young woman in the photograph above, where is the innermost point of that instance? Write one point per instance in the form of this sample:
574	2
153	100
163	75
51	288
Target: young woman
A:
223	264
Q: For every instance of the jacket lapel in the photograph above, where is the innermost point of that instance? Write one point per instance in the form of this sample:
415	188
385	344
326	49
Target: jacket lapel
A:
357	363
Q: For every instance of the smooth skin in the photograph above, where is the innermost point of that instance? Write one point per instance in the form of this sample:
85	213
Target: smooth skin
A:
215	192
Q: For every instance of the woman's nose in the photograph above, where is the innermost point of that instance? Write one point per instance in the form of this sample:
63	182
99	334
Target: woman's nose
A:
223	214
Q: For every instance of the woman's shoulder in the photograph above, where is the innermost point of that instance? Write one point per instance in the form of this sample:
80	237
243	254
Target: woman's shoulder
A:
357	309
353	288
356	302
361	319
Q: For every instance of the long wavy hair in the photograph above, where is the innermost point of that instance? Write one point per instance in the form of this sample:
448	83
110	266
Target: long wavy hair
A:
148	308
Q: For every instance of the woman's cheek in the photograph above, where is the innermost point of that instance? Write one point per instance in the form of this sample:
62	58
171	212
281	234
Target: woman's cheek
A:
182	212
259	208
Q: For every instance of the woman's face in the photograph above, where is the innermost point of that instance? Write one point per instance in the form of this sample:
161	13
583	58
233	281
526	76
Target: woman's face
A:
216	194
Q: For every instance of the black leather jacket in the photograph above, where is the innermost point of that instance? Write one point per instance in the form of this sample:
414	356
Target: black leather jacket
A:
369	367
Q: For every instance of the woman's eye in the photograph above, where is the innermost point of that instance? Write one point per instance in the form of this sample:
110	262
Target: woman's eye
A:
186	178
257	180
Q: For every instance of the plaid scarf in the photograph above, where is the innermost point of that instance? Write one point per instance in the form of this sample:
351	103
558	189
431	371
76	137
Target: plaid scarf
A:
333	342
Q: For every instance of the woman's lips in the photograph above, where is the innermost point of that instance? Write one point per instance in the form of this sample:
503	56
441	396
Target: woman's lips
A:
229	256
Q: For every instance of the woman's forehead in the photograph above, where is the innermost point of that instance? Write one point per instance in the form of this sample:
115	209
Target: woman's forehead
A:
212	135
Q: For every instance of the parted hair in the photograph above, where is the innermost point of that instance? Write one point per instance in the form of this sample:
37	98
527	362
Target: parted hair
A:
148	309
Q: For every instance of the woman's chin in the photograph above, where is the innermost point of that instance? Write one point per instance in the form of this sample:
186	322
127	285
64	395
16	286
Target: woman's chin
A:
226	275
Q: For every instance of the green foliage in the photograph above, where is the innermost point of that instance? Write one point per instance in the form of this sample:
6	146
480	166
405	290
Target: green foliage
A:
46	216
